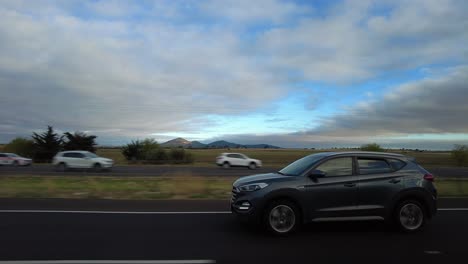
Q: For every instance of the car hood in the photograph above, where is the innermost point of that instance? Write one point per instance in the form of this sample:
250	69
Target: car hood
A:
257	178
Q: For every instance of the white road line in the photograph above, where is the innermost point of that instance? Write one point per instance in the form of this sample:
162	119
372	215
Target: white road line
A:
189	261
152	213
112	212
452	209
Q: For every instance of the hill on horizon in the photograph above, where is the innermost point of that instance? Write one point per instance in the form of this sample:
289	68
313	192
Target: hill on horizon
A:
183	143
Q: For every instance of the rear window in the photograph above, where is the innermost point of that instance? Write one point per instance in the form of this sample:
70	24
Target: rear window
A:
373	166
397	164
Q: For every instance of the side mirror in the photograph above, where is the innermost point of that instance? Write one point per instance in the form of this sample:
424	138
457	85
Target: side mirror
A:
315	174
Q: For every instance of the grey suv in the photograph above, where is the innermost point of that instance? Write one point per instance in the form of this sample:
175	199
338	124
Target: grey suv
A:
338	186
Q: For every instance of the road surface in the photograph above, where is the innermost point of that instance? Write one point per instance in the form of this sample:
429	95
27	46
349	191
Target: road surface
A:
215	236
48	170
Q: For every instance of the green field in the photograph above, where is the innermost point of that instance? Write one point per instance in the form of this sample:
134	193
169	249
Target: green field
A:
147	188
282	157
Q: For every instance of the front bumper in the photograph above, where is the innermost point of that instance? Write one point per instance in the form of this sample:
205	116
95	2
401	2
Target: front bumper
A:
251	213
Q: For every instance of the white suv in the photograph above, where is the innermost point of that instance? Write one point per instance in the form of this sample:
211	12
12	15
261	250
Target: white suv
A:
78	159
227	160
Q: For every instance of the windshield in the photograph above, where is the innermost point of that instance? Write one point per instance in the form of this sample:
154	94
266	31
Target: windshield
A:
301	165
91	155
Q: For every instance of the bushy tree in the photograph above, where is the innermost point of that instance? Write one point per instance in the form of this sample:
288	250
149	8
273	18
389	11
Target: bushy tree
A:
79	141
372	147
133	151
149	145
158	155
460	154
46	145
21	146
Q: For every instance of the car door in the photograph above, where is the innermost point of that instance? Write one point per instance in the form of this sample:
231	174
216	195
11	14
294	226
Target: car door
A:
82	160
378	182
235	160
243	160
335	194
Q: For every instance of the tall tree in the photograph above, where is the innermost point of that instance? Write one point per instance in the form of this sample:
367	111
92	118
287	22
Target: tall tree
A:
79	141
46	145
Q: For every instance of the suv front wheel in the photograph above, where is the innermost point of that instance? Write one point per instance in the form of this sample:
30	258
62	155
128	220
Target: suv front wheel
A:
281	217
410	216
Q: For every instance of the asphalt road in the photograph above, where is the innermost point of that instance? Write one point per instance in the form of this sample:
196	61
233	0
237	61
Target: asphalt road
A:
456	172
218	237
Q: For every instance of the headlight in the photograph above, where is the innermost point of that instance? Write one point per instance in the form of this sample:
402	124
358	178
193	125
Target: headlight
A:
252	187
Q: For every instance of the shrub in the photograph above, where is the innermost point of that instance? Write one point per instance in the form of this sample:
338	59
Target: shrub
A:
460	154
133	151
21	146
372	147
157	156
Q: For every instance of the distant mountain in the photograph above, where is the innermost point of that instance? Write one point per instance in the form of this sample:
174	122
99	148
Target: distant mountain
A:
197	144
262	146
224	144
183	143
176	143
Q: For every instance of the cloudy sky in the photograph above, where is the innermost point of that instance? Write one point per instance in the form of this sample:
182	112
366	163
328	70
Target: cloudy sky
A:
289	73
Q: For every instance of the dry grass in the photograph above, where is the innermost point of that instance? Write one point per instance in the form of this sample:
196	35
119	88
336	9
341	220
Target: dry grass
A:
145	188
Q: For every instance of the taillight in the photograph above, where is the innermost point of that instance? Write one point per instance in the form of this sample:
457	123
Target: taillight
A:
429	177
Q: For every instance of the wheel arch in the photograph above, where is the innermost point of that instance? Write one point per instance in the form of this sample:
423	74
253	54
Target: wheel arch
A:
417	194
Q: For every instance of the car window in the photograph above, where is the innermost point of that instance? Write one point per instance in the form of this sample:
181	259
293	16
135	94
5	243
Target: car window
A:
231	156
373	166
79	155
69	155
337	167
301	165
2	155
396	163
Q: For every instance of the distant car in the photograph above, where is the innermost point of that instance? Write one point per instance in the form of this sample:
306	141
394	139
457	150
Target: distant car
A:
14	160
78	159
227	160
333	186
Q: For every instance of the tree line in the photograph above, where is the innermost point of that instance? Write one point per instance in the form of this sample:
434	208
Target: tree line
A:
42	147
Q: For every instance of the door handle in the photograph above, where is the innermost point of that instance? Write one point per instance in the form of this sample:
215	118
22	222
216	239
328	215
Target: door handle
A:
350	184
394	181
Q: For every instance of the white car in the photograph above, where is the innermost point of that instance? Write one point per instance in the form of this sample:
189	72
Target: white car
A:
227	160
14	160
78	159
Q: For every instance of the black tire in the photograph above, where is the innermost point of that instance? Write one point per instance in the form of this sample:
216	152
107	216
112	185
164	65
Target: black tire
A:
15	163
410	216
62	167
287	219
226	165
97	167
252	166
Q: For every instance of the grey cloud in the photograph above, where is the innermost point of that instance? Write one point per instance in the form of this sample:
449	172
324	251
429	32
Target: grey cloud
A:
136	79
429	106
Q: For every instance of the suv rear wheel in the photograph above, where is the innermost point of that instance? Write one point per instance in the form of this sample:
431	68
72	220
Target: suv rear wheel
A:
97	167
226	165
62	167
410	216
281	217
252	166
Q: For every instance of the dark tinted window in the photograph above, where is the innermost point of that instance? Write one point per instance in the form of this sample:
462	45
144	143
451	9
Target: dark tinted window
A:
69	155
337	167
396	163
372	166
232	156
2	155
301	165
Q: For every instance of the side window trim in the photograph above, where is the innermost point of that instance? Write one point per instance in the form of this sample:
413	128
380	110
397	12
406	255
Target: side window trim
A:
396	169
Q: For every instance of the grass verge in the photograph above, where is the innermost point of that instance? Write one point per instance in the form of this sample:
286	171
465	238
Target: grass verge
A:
146	188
